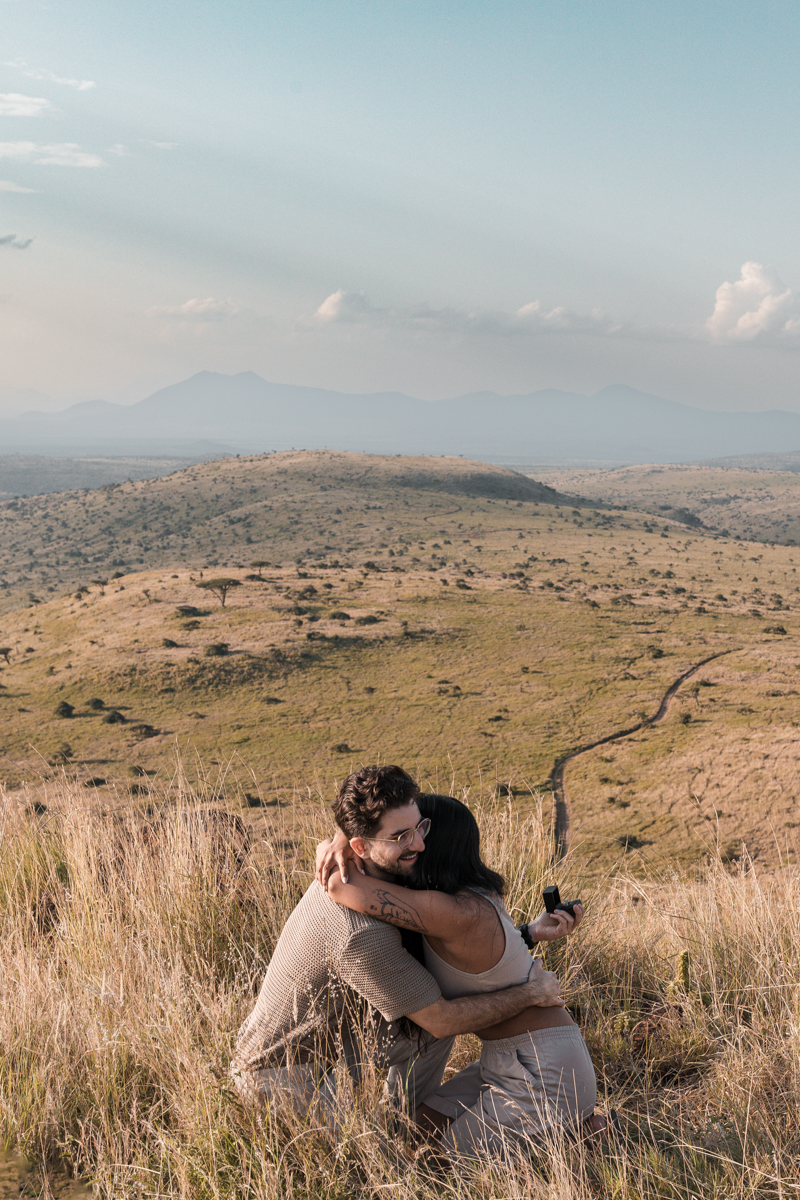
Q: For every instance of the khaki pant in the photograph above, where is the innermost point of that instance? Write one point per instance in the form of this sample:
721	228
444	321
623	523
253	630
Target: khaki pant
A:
522	1088
416	1066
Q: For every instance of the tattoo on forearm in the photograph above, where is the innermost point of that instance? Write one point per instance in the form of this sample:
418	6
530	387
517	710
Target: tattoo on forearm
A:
390	909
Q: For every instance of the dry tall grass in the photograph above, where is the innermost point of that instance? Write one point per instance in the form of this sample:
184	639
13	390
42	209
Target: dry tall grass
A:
133	946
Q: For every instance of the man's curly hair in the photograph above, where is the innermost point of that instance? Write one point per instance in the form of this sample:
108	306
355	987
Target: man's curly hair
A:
369	793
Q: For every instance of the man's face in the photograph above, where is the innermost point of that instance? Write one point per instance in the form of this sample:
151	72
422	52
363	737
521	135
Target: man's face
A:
384	858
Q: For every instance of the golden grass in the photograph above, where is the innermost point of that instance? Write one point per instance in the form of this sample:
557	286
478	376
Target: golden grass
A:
134	943
314	504
507	634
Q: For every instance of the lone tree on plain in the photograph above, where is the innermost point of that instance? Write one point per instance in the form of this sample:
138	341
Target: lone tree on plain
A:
259	564
219	587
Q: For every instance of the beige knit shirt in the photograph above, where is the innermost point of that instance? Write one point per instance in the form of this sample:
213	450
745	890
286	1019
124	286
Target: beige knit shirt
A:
328	962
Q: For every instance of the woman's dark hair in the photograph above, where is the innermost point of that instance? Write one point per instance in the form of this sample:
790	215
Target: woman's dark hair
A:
452	858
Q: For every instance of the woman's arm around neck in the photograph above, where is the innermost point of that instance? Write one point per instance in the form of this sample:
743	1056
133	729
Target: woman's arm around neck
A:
428	912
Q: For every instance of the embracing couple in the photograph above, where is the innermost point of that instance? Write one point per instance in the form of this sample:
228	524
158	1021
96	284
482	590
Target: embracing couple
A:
409	946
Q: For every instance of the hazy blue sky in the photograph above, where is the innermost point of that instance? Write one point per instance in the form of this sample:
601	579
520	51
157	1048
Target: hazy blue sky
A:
430	197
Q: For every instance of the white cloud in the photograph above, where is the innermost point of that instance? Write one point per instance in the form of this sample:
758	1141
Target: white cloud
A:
64	154
757	307
197	310
6	185
342	306
16	243
119	150
756	304
158	145
565	320
81	85
13	104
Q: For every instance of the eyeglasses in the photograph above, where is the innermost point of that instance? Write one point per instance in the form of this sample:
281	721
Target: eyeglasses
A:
404	839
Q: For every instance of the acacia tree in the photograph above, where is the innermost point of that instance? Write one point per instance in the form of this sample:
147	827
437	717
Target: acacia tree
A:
219	587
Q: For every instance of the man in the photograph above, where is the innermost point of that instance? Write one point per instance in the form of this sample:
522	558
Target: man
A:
336	975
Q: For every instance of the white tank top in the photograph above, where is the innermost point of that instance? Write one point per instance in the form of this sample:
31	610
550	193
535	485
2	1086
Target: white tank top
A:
514	967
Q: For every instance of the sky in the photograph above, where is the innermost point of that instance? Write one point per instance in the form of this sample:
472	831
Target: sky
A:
430	197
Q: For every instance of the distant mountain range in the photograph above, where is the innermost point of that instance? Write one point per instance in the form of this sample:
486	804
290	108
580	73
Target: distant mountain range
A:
213	414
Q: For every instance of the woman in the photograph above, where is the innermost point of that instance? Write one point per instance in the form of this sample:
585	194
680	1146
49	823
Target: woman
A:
535	1072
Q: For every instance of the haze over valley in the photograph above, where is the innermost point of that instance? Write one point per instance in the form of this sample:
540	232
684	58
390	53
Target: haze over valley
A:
210	414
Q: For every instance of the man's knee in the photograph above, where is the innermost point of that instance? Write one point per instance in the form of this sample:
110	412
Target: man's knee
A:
417	1067
296	1088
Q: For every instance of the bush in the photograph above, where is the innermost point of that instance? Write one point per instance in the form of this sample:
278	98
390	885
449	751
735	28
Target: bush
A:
369	619
63	709
630	841
142	730
114	718
216	650
95	704
168	644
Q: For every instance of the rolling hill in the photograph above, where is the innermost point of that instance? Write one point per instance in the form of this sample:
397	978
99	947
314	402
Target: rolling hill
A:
733	498
297	505
450	616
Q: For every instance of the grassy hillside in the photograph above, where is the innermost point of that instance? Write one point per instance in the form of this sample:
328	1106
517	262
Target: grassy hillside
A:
291	506
740	499
132	951
462	623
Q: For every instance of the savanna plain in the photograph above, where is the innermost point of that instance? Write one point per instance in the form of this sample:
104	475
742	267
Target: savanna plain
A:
599	666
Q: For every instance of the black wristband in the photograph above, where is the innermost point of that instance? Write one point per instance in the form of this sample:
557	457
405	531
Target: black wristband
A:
526	936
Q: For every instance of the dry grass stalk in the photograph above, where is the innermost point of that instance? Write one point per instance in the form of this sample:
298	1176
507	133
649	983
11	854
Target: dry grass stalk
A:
133	945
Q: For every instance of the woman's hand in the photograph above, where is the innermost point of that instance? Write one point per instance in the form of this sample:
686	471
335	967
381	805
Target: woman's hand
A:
549	926
334	854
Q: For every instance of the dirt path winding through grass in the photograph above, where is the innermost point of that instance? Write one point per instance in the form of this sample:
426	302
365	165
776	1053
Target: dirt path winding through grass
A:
557	782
